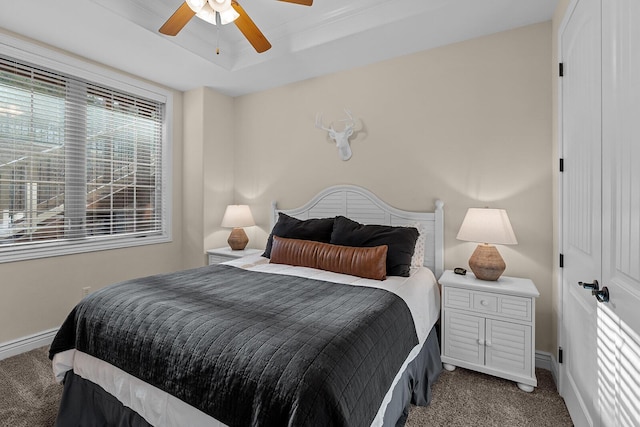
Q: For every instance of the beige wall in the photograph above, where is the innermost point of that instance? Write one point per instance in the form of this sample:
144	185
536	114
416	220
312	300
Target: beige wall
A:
192	185
218	155
208	171
469	123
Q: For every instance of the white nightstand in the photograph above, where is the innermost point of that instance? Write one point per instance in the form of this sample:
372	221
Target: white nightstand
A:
490	326
218	255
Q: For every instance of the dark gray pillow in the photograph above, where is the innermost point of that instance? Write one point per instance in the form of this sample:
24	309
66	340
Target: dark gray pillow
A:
400	240
317	229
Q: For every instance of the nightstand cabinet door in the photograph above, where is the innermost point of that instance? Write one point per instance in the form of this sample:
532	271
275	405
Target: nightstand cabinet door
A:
464	337
508	347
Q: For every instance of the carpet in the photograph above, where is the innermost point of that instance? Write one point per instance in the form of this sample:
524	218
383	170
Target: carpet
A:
29	397
468	398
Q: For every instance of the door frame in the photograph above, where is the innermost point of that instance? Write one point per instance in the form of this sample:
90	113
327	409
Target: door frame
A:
563	389
559	276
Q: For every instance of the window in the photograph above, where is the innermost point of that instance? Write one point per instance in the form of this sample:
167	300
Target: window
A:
81	164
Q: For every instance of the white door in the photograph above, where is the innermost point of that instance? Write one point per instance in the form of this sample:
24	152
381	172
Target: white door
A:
618	334
601	212
581	208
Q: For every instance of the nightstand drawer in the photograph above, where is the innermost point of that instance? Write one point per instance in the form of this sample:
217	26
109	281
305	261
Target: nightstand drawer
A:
217	259
491	303
216	256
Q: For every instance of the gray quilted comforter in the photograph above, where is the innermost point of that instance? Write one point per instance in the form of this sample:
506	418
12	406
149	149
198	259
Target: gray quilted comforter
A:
250	348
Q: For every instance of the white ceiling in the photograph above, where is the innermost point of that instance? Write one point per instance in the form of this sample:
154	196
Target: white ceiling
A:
331	35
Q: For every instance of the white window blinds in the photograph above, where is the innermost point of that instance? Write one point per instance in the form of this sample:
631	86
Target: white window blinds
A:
78	161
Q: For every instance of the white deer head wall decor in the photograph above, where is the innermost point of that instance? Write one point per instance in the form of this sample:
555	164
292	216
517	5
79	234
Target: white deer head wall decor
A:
340	137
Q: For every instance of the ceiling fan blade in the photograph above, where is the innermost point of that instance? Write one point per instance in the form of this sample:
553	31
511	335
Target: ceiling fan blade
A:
178	20
302	2
250	30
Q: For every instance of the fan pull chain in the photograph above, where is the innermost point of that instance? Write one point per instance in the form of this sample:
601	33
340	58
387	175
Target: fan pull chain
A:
218	25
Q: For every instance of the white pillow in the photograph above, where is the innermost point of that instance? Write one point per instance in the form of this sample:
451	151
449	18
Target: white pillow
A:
417	260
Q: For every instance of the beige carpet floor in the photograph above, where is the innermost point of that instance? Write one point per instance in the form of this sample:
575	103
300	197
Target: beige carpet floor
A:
467	398
29	397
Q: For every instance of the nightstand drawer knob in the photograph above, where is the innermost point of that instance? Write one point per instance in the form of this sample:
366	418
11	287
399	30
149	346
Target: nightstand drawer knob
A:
484	302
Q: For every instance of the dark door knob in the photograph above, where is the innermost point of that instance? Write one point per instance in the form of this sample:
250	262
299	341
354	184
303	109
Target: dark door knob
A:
591	286
601	295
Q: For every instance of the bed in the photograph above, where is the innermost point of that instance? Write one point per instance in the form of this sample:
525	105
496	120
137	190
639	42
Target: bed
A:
330	330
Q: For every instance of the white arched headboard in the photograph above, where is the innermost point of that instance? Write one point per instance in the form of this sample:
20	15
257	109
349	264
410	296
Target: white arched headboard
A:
365	207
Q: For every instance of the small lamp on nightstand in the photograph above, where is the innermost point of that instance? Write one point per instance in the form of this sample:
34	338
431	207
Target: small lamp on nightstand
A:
236	217
487	227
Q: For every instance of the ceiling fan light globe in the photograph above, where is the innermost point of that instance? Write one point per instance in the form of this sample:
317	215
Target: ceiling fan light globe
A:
207	14
228	16
196	5
220	5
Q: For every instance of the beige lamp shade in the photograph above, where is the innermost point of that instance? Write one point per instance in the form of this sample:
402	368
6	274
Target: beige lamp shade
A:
236	217
487	227
484	225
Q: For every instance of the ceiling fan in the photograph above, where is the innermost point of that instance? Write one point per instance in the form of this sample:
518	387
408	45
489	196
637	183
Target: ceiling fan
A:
220	12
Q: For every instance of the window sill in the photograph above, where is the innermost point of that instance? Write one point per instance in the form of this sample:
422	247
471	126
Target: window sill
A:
68	247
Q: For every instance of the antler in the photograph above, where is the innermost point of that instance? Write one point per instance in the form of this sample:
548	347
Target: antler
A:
349	123
350	119
319	123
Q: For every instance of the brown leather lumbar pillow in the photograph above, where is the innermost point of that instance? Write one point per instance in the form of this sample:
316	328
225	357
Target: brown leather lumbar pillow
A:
370	263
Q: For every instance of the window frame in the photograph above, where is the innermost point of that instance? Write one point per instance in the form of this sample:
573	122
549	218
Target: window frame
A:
66	64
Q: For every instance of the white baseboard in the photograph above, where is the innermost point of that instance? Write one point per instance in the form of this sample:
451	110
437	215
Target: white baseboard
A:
546	361
24	344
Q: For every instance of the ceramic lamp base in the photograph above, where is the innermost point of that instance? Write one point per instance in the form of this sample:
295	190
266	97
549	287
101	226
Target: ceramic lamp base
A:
486	263
238	239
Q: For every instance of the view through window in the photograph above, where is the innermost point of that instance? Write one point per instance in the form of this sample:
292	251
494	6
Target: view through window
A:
79	162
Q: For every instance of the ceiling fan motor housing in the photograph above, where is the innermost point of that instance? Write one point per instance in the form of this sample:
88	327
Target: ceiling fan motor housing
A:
207	10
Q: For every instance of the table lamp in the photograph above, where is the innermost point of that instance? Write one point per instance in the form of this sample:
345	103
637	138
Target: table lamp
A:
236	217
487	227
